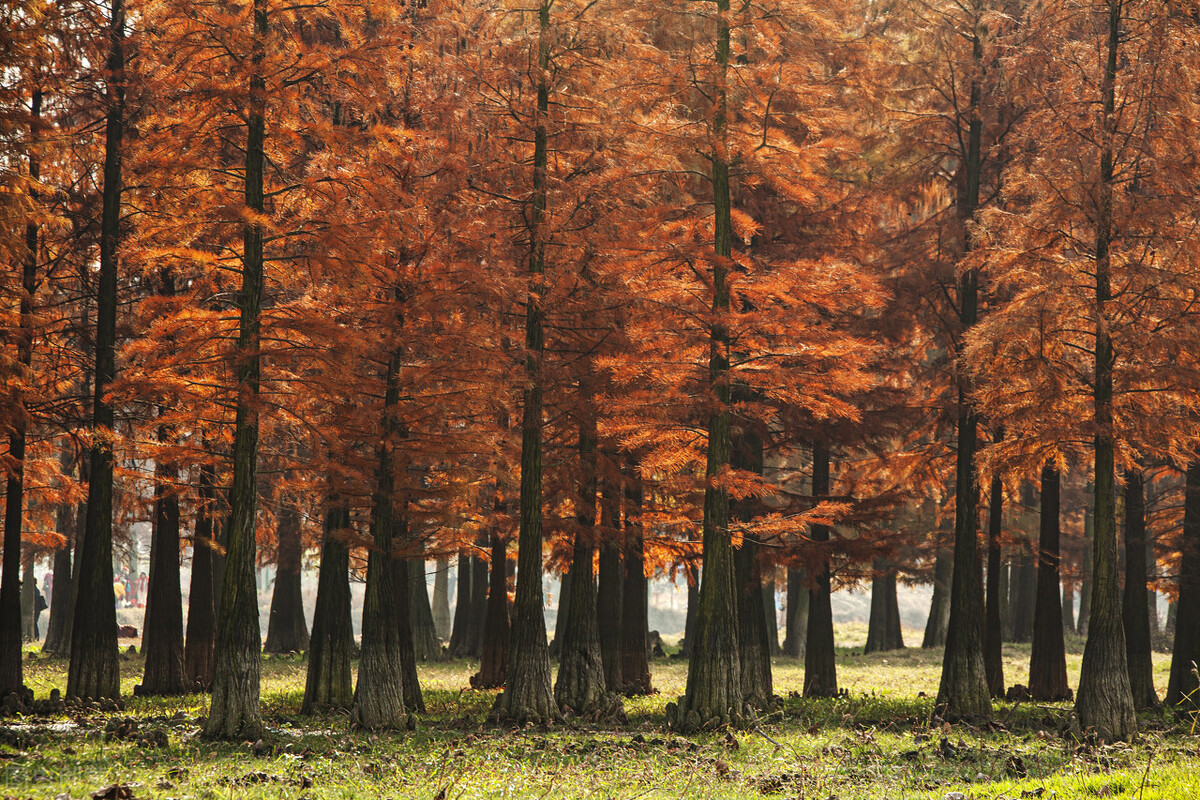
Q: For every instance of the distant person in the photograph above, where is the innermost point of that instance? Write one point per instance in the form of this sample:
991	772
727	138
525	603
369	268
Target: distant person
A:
119	592
139	596
39	605
48	587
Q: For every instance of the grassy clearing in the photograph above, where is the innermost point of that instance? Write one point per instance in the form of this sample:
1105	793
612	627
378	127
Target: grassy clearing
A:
877	742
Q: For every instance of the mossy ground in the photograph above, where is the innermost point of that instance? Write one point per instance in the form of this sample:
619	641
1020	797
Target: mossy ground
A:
877	742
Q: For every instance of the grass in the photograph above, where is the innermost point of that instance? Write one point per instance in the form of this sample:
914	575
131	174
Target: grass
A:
875	742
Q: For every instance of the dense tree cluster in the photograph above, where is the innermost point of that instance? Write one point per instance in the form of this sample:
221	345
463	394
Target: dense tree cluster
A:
745	295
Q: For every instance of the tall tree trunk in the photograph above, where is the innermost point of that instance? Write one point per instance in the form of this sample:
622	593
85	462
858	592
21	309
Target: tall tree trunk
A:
480	577
199	654
58	628
462	607
1085	584
939	606
820	665
441	598
1183	687
564	612
635	668
425	639
993	629
287	630
883	628
1135	602
402	575
493	661
1023	593
94	669
753	646
693	607
234	712
795	615
379	701
1105	700
1048	657
771	615
963	692
1068	601
609	584
162	634
329	682
29	631
713	695
527	695
581	687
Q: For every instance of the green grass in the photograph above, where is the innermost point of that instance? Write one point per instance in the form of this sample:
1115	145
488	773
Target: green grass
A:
876	742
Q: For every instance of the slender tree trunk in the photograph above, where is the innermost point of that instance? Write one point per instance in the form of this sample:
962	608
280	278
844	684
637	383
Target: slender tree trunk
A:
1023	594
1135	602
693	607
883	628
1183	687
713	695
480	576
425	639
199	654
234	713
527	695
581	688
493	661
1085	584
94	669
329	682
939	606
162	635
564	612
58	628
1068	600
441	598
608	592
287	630
1048	658
993	634
963	693
753	646
635	667
462	607
379	696
771	616
796	615
1105	700
402	575
820	665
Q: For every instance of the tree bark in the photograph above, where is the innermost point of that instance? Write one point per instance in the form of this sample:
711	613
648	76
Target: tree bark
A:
379	701
564	612
29	631
1048	657
329	681
162	635
754	649
771	616
693	607
713	696
493	661
1023	593
1183	686
820	665
608	592
1068	601
287	630
883	628
581	687
1085	583
1105	700
1135	601
426	644
234	712
635	667
94	669
199	646
938	621
527	695
462	607
796	615
480	576
58	628
993	631
441	598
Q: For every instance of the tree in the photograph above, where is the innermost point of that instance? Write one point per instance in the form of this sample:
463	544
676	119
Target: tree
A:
1048	657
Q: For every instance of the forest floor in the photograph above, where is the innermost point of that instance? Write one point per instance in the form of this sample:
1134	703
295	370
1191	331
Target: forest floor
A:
877	742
